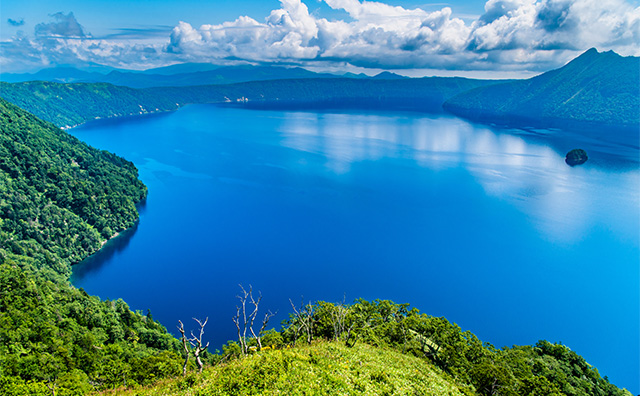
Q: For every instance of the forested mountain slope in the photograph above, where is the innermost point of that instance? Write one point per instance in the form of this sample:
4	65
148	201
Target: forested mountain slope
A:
598	88
72	104
67	105
59	201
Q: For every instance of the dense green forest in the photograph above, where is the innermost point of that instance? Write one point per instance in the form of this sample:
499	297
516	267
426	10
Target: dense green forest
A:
67	105
61	199
598	88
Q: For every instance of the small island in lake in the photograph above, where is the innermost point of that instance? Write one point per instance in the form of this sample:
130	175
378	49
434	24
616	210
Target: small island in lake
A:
576	157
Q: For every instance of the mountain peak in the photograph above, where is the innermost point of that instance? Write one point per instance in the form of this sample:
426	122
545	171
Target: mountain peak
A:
385	75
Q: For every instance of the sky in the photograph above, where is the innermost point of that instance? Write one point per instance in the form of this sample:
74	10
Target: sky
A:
497	38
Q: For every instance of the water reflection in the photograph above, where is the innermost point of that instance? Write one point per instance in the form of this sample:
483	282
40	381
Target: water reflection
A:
94	263
520	168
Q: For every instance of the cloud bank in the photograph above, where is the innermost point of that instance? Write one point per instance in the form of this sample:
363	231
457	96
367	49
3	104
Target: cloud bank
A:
510	35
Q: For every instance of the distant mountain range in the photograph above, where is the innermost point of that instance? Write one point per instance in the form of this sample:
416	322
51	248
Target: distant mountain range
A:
187	74
596	91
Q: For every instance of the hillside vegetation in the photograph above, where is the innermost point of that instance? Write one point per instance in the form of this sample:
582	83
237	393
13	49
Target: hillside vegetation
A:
67	105
59	201
597	88
59	198
383	348
324	368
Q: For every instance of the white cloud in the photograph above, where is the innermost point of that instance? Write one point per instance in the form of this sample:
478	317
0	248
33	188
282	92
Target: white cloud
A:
64	26
511	35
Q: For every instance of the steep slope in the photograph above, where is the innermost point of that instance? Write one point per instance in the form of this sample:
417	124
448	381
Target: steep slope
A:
59	197
59	200
595	88
68	105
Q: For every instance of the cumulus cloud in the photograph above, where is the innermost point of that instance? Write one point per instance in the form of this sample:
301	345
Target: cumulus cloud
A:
15	22
63	26
511	35
531	26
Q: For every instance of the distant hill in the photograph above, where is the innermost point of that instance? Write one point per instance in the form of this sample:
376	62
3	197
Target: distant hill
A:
180	68
388	76
187	74
58	74
73	104
419	94
221	75
67	105
595	88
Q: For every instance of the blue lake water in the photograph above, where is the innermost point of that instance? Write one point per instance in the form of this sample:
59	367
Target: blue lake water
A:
489	228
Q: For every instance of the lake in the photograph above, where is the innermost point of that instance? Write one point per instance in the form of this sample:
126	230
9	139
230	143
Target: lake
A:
487	227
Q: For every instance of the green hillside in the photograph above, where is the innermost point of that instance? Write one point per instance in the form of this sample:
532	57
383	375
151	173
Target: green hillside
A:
598	88
59	201
68	105
380	348
324	368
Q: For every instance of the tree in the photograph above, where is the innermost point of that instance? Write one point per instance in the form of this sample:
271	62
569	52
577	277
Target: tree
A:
185	347
196	343
244	321
197	348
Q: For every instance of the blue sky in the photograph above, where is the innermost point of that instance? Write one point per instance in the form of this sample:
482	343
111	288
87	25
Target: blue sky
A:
499	38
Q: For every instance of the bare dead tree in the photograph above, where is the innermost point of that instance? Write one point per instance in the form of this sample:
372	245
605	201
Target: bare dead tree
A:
185	348
303	319
254	313
241	339
244	320
241	325
196	343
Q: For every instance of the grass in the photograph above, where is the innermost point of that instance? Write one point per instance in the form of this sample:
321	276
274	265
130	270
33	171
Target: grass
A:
323	368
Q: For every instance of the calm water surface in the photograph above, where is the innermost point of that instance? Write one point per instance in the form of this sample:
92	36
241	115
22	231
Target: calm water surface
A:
490	229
